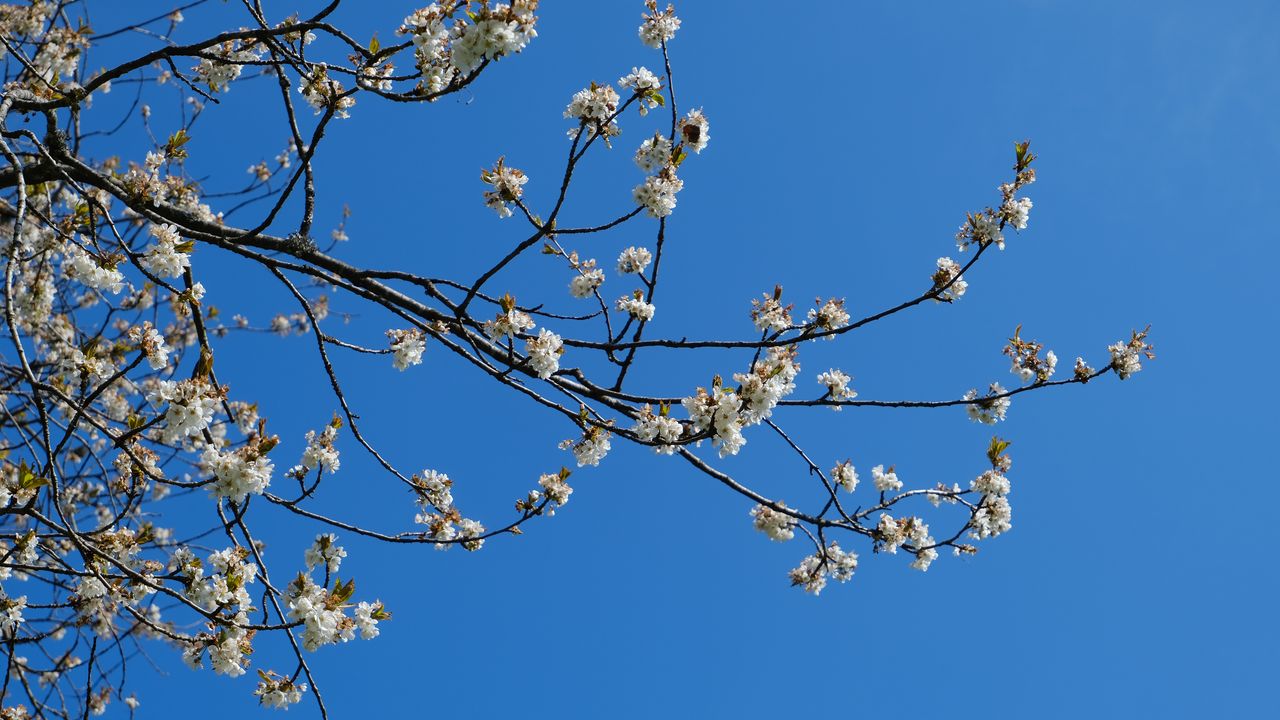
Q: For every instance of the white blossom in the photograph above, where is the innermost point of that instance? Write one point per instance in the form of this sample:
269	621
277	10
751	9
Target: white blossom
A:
657	194
366	616
322	92
281	693
508	187
774	524
407	347
325	553
717	411
633	260
654	153
165	259
592	447
992	518
831	562
1126	357
89	271
225	64
239	473
845	476
885	481
635	306
990	409
645	85
660	429
595	106
949	272
589	278
544	353
658	27
695	131
828	316
192	404
837	385
320	451
508	323
555	487
1016	212
152	344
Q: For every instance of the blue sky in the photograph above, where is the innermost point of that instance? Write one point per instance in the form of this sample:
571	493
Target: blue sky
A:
847	142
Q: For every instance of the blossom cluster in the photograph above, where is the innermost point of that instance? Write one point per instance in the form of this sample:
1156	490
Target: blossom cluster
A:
436	510
450	46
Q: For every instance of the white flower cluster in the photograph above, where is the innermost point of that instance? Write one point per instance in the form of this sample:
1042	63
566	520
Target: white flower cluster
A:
949	272
325	553
830	315
221	592
228	650
657	194
544	353
832	562
595	106
658	27
592	447
1016	212
994	515
912	532
508	187
1026	361
771	379
837	384
776	525
845	476
434	489
980	229
169	256
323	615
192	404
436	510
321	92
990	409
508	323
239	473
645	85
1126	357
634	260
223	63
555	488
91	272
277	692
717	411
407	347
11	613
654	153
635	306
152	344
320	451
226	587
725	412
769	314
493	33
885	481
1028	371
660	429
588	278
431	47
941	493
695	131
445	53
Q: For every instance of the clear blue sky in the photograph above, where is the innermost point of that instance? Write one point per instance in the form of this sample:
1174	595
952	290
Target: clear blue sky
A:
847	143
